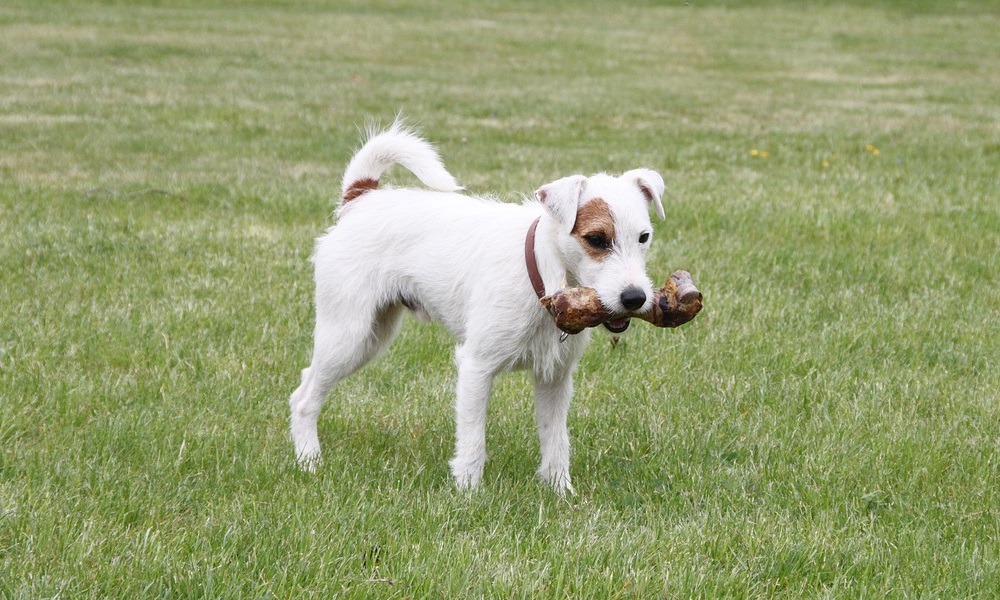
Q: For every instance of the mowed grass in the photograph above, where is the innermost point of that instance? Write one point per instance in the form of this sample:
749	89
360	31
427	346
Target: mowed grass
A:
827	427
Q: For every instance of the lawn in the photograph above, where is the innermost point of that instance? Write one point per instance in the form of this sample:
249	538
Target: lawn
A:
827	427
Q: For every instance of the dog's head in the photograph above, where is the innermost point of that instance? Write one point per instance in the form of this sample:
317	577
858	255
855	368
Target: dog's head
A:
604	235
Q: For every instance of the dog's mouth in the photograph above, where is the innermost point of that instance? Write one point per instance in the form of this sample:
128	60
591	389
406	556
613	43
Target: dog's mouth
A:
617	325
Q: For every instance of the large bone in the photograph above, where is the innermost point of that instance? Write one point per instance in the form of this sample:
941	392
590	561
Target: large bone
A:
575	309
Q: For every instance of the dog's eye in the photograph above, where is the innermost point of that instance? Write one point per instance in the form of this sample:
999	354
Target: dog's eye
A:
597	240
644	238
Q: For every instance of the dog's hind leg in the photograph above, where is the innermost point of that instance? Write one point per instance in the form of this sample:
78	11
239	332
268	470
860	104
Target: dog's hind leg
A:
340	348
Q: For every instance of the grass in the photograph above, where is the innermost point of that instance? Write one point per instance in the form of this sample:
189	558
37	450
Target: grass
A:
826	428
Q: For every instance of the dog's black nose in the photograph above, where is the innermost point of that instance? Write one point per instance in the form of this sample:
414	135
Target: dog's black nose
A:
633	298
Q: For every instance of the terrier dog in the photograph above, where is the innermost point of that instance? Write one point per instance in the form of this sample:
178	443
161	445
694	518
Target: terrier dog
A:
479	267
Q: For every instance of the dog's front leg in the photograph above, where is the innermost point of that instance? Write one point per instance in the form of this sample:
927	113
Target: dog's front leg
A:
475	381
552	400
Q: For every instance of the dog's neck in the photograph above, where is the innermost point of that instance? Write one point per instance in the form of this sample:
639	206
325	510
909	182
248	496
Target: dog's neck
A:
529	260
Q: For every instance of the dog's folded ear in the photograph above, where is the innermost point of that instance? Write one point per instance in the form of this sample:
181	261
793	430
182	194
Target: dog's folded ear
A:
651	185
561	199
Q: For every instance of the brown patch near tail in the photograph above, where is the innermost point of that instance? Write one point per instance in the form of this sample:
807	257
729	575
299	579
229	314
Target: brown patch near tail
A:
594	222
358	188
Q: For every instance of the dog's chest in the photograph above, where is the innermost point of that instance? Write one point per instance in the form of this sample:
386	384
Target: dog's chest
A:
549	358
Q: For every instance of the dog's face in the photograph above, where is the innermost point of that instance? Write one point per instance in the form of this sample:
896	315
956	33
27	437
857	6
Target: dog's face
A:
604	235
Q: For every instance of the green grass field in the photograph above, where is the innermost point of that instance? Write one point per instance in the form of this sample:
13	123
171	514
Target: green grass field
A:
827	427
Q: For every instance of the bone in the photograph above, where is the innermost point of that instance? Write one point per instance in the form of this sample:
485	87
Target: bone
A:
674	304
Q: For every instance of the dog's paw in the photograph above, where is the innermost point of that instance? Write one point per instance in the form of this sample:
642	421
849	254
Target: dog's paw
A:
467	475
559	481
309	462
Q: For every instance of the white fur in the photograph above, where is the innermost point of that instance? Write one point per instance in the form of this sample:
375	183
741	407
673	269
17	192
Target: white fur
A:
460	260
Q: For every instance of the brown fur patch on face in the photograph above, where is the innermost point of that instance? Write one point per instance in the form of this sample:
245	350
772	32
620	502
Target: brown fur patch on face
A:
595	228
358	188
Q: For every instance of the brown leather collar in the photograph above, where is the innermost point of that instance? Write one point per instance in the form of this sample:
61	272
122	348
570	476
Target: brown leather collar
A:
529	260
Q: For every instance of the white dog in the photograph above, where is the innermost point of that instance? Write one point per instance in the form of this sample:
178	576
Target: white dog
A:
471	264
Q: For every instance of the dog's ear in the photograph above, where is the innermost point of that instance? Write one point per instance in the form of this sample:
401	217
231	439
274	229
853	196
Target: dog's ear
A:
562	199
651	185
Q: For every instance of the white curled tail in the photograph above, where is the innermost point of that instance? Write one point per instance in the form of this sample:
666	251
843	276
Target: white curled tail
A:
397	145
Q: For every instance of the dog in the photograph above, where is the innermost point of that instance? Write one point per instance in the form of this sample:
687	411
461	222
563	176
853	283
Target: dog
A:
471	264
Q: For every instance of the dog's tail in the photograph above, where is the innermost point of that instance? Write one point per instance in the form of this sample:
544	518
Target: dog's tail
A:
397	145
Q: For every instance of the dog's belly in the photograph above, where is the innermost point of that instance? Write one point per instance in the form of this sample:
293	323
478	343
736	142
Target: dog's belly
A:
510	332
